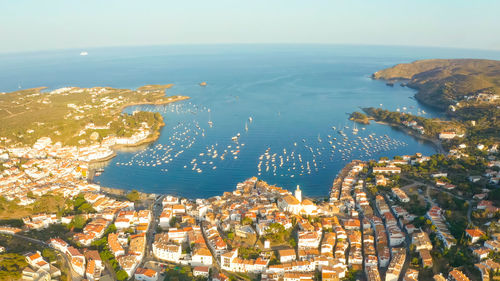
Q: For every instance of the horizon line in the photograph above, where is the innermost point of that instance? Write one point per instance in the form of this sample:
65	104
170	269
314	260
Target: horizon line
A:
242	44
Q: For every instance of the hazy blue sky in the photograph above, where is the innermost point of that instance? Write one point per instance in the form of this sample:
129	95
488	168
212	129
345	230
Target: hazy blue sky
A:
55	24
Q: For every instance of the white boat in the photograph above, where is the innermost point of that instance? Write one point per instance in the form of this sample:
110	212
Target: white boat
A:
210	123
83	53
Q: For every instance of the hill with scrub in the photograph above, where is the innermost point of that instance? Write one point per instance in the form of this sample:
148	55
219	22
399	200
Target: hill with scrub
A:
467	89
77	116
444	82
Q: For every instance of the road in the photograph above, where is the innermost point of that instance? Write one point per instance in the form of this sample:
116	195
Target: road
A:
74	275
427	196
214	257
155	212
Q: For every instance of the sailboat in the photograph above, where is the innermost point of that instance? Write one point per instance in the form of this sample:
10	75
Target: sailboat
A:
210	123
355	130
246	127
235	138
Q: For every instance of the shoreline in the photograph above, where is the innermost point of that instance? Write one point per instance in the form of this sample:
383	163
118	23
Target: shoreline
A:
435	142
154	135
163	102
336	180
404	82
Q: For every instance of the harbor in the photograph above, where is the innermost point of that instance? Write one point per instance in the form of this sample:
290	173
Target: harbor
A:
192	144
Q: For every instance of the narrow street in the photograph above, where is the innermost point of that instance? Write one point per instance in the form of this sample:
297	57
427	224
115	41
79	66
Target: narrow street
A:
155	213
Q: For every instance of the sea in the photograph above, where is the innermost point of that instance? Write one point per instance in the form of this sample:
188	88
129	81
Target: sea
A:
277	112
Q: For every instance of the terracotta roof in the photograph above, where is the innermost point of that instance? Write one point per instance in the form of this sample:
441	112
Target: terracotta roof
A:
146	272
34	256
307	202
287	252
474	232
291	200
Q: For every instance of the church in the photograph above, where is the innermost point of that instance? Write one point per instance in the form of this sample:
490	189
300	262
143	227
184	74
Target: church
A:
295	205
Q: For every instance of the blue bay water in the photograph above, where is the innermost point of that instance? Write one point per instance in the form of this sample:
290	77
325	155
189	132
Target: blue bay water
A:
294	93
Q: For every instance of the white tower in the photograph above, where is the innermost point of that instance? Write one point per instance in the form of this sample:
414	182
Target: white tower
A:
298	194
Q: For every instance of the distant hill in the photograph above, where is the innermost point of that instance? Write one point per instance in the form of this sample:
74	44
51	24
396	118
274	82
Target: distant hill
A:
443	82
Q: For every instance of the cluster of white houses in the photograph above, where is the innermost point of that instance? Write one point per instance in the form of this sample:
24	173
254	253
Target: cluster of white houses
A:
350	230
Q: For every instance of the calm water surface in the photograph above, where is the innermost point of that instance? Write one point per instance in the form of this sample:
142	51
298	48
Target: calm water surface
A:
294	95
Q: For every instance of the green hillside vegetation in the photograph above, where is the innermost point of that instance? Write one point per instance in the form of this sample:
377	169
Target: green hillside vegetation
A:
487	122
62	115
467	89
11	266
359	117
48	203
442	82
11	212
432	126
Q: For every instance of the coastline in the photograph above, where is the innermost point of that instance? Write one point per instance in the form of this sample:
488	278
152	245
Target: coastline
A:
405	82
362	121
435	142
163	102
154	135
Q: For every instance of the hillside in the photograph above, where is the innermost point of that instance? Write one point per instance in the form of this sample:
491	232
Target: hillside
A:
444	82
77	116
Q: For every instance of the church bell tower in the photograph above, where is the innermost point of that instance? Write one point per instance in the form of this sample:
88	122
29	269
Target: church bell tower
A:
298	194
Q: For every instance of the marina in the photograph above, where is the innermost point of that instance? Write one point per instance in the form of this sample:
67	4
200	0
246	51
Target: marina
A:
193	145
281	116
292	161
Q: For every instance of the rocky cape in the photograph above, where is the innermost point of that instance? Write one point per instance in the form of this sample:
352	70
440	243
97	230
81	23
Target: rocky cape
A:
442	82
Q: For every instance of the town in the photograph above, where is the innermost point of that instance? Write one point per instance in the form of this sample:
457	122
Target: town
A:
409	218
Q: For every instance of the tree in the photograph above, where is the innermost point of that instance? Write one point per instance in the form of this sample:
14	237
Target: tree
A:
121	275
78	201
275	232
249	253
111	228
351	275
173	221
11	266
86	208
247	221
49	254
78	222
133	195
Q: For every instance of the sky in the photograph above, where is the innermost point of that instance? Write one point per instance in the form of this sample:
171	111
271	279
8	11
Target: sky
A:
33	25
